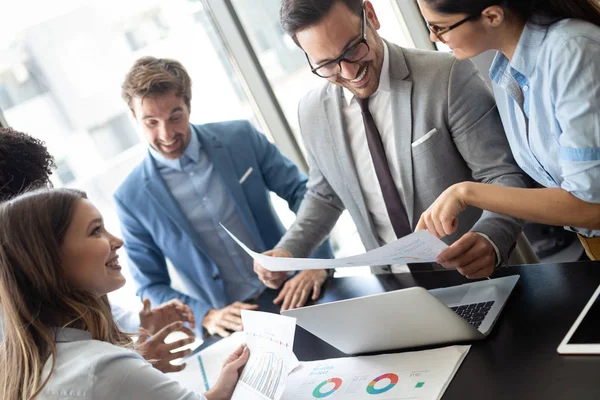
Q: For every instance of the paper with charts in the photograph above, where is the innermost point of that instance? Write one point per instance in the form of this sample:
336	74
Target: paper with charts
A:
418	247
270	338
422	375
203	369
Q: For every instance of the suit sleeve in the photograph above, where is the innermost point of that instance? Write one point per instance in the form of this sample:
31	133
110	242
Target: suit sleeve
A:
479	136
280	174
148	266
319	211
284	178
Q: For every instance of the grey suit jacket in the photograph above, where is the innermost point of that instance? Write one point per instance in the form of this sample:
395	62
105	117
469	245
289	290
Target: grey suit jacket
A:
447	131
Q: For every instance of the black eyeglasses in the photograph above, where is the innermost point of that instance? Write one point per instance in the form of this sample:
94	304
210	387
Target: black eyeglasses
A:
353	54
438	32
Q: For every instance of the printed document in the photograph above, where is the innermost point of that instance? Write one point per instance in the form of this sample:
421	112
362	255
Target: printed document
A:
418	247
421	375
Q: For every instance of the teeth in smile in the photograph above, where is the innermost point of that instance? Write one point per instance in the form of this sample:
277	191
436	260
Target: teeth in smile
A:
112	264
360	77
170	143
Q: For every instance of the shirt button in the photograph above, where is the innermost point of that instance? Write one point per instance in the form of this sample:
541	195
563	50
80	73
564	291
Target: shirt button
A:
216	277
525	88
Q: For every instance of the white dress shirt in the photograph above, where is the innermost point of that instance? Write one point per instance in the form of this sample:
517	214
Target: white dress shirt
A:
380	106
91	369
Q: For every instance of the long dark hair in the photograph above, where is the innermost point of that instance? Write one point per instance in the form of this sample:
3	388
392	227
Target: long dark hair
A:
34	294
536	11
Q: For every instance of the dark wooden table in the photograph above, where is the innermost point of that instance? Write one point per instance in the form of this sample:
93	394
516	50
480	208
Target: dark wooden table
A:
519	359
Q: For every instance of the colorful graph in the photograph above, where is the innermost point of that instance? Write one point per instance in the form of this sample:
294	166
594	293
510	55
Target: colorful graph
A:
337	383
393	378
263	374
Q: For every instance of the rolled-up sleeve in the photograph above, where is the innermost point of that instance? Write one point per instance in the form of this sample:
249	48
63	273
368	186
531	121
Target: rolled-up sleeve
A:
576	96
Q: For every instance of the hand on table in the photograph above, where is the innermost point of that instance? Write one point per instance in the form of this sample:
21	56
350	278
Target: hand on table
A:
227	318
295	291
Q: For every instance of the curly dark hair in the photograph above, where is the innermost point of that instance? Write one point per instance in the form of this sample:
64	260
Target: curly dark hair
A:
24	163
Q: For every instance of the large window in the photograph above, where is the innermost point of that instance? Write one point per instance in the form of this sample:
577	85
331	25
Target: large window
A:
62	64
60	81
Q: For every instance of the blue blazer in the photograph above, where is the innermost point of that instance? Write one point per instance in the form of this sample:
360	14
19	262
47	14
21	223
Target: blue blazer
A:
155	228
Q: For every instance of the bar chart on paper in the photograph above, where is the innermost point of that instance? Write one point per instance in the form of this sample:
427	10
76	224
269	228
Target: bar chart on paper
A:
270	338
263	374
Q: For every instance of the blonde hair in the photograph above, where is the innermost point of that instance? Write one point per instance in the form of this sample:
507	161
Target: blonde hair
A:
156	76
35	298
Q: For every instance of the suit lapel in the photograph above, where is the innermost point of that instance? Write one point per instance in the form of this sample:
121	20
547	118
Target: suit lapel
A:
225	167
157	189
332	105
401	104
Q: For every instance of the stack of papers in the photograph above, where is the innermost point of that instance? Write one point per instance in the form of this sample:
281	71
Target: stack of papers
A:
270	339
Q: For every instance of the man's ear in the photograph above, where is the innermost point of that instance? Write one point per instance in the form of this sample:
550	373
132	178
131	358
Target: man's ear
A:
371	15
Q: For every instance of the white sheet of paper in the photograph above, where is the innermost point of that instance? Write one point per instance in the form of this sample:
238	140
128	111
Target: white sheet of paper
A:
418	247
417	375
203	369
270	338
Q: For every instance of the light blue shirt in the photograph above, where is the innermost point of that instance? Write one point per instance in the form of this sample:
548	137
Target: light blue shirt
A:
91	369
206	202
548	97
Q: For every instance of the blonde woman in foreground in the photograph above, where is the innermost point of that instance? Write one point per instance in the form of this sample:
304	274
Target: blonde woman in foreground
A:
57	264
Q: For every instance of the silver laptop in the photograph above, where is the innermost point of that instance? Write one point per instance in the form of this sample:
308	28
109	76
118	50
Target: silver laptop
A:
409	317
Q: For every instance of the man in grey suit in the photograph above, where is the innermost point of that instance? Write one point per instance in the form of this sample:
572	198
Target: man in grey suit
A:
390	131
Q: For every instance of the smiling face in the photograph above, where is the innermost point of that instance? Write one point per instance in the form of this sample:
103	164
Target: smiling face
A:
165	122
337	31
473	37
89	253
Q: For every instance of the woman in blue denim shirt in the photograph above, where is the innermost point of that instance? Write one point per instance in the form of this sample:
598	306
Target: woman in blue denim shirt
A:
546	81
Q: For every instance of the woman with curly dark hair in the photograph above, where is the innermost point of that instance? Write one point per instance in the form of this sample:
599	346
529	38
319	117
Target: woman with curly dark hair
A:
24	163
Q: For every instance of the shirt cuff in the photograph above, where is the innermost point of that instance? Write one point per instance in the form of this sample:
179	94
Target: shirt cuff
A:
498	257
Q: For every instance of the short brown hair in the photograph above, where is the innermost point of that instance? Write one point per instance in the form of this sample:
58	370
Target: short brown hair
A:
156	76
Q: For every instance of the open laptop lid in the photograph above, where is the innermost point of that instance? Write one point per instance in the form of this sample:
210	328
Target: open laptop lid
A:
393	320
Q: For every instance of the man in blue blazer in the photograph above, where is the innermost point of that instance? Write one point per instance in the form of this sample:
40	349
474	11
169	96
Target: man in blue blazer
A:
193	178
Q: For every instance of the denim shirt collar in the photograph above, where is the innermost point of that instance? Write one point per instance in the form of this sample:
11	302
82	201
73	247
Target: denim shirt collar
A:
525	58
192	151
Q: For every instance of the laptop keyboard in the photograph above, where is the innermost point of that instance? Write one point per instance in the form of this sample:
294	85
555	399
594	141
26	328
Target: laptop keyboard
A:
474	313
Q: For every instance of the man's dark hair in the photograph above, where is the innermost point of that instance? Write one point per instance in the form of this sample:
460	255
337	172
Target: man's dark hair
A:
297	15
24	163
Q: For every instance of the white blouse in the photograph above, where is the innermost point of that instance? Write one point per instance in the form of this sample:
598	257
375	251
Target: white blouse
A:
91	369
